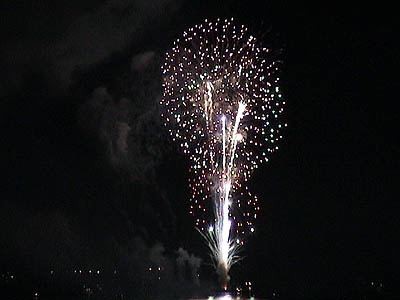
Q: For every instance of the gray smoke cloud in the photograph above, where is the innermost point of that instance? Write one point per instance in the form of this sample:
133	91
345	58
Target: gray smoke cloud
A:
81	40
129	133
122	119
188	263
141	61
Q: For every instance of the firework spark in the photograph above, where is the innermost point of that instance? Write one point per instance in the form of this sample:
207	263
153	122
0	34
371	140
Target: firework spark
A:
222	103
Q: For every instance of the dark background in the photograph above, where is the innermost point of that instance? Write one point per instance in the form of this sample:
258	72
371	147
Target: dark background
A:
91	180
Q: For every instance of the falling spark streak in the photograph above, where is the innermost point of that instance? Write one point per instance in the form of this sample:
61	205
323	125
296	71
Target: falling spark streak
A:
226	222
223	141
239	116
222	102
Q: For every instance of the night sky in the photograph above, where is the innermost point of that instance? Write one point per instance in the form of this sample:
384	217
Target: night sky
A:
92	180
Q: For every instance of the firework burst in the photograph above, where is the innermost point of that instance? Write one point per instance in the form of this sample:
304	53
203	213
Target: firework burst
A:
222	104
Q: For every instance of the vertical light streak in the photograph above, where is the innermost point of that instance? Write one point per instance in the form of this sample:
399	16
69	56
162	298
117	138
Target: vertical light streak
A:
239	116
226	223
223	118
225	251
208	100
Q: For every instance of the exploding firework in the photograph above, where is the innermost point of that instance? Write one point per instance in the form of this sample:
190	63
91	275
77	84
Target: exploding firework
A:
222	104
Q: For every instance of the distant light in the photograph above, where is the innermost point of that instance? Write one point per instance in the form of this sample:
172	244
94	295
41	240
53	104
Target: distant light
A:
252	229
210	229
239	137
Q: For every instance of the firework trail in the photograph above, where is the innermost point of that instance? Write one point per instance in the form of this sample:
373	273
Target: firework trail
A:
222	103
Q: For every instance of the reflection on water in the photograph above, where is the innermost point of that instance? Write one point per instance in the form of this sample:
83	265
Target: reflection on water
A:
226	296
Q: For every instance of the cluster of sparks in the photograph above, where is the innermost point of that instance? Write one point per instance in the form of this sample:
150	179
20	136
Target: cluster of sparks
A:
222	104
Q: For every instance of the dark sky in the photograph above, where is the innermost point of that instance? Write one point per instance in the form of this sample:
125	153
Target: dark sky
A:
89	175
